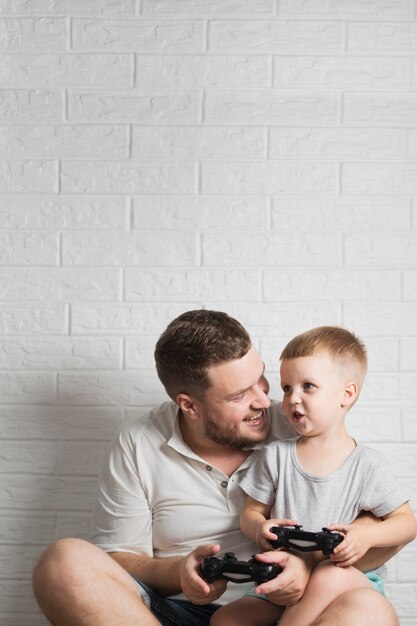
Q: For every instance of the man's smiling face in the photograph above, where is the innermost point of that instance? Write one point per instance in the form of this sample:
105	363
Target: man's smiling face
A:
234	406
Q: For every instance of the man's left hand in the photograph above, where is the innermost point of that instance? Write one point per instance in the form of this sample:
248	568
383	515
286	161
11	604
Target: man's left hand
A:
288	587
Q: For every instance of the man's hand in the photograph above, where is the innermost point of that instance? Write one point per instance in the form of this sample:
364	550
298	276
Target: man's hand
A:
288	587
356	543
197	590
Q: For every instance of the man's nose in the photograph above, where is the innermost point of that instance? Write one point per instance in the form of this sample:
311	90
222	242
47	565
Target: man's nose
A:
261	399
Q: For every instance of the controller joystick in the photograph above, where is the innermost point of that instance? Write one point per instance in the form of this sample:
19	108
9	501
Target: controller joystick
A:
230	568
293	537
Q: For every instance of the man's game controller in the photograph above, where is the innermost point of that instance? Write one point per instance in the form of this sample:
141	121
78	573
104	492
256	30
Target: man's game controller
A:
305	541
236	571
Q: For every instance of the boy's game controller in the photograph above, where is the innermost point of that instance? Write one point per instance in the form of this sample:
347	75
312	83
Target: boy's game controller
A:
214	567
305	541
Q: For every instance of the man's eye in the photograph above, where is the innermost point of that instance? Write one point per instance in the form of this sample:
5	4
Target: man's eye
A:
239	397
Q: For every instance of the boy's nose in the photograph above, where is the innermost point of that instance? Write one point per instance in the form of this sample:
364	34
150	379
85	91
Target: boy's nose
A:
295	398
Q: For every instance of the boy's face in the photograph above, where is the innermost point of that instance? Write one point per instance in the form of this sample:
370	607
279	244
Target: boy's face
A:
316	393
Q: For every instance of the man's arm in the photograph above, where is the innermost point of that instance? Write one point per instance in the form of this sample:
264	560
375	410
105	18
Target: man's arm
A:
173	575
298	567
163	575
375	557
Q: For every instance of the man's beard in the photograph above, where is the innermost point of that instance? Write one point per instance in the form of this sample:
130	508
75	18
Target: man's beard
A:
231	436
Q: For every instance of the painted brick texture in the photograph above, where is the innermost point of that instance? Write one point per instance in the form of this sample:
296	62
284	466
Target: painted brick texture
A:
254	156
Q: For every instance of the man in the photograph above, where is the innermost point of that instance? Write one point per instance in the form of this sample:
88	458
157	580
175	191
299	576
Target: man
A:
169	496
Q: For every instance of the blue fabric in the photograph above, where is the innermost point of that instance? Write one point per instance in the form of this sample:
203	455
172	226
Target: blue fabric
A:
376	581
176	612
251	593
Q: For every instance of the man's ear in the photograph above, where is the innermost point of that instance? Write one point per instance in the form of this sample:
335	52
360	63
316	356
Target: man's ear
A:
188	405
350	393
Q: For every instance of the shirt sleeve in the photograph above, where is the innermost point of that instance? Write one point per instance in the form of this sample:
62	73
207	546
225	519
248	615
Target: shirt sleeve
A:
261	478
122	519
382	493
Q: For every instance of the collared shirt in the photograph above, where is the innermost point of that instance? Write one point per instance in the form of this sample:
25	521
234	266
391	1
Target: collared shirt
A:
157	497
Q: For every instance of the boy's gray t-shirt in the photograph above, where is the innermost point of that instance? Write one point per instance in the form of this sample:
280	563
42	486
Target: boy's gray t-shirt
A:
362	483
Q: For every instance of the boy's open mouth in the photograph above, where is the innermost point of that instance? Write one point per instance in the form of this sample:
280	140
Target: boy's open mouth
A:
296	415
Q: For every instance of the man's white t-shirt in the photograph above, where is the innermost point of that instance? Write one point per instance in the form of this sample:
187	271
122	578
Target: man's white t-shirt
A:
157	497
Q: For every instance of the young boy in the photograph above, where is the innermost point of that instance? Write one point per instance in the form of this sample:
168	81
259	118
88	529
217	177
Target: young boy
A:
319	477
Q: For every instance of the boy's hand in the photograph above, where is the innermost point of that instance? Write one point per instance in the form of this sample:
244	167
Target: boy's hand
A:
263	535
356	543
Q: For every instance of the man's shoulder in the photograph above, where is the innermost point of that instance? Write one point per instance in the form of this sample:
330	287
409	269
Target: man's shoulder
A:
280	427
156	422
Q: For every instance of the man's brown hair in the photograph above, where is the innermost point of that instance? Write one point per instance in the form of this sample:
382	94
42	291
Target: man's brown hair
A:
191	344
339	343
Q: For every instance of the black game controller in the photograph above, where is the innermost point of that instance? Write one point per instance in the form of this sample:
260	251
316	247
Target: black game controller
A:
214	568
304	541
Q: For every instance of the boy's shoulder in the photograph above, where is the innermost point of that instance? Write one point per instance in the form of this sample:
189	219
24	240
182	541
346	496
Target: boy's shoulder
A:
371	455
279	449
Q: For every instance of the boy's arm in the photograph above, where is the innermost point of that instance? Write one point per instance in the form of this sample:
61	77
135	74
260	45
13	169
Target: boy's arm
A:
395	530
289	586
255	523
254	514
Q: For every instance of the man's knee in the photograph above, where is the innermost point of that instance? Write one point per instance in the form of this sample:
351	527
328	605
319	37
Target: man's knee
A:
359	607
60	564
74	578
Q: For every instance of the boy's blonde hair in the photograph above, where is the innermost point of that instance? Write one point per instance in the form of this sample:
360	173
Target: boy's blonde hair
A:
340	344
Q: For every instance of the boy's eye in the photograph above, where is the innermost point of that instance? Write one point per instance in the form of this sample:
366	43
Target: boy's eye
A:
286	389
308	386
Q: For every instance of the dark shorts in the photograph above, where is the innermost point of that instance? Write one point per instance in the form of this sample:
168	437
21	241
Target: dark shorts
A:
175	612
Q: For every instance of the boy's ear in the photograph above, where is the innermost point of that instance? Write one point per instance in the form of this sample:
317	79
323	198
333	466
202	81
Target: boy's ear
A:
350	393
188	405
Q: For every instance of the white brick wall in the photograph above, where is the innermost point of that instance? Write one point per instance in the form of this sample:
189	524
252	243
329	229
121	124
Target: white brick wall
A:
255	156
